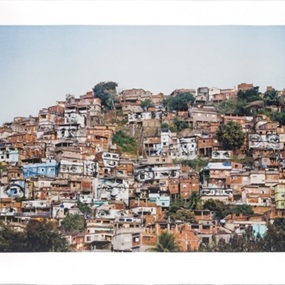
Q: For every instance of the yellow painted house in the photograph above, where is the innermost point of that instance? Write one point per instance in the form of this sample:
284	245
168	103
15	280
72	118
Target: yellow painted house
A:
280	196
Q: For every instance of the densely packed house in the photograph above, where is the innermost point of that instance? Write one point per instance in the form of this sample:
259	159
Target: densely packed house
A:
67	155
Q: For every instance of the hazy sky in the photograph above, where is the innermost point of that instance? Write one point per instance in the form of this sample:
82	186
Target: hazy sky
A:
39	65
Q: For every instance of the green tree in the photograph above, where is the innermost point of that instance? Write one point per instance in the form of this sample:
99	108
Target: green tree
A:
146	104
243	209
37	237
166	243
219	208
73	224
274	239
195	202
106	91
43	236
278	117
164	126
271	98
233	106
179	102
84	208
249	95
230	135
179	125
11	240
183	215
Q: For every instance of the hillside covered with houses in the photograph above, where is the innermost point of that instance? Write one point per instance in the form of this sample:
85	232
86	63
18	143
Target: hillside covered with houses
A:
128	171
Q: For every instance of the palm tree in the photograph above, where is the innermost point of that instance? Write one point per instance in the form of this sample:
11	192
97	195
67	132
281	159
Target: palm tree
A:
166	243
195	202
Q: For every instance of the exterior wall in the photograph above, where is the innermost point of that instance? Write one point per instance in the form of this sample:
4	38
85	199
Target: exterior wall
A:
124	241
271	178
35	204
204	91
187	148
56	109
111	189
5	132
222	154
125	168
15	189
244	86
220	173
213	91
238	180
49	169
268	142
173	186
159	160
165	139
219	193
257	195
69	167
72	116
86	198
185	188
20	139
43	183
280	196
242	120
257	178
110	160
204	115
100	137
156	173
152	145
67	131
9	155
204	143
15	172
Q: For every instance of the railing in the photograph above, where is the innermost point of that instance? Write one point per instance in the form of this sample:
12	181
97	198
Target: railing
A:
33	214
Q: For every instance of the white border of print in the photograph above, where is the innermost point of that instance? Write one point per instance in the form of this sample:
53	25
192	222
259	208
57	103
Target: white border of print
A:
134	12
142	268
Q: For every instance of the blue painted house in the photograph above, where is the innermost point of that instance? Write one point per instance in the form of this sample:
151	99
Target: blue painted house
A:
48	169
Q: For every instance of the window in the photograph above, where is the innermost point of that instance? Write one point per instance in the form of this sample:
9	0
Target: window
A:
205	240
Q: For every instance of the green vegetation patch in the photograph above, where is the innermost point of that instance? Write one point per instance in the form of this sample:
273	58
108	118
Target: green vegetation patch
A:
125	142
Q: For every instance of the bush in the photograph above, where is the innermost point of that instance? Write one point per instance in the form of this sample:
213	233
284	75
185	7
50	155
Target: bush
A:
125	143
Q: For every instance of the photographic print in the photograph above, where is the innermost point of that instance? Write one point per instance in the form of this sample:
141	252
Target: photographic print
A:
141	154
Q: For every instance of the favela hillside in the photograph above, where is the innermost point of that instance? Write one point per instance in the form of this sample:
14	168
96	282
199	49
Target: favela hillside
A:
197	170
